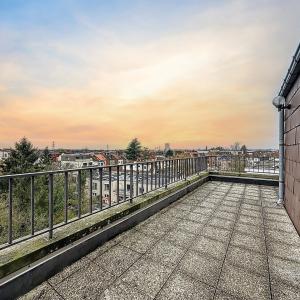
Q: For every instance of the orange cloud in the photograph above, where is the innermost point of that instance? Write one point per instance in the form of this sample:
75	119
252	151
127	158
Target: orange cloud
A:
210	83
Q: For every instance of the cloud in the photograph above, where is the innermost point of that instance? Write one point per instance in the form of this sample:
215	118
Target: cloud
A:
208	81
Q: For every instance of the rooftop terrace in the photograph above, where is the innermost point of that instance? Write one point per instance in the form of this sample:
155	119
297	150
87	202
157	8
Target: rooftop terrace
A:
221	241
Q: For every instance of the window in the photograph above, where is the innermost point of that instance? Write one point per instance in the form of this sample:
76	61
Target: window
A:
95	185
106	187
128	187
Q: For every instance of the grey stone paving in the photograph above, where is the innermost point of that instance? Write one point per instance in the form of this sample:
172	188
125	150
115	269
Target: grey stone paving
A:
223	241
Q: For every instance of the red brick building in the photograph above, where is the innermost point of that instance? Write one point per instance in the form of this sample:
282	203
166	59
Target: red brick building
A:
291	91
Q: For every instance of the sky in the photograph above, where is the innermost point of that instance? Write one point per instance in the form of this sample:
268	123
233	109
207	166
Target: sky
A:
87	74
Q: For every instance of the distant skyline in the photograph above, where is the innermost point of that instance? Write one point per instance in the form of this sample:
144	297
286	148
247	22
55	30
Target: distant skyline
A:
191	73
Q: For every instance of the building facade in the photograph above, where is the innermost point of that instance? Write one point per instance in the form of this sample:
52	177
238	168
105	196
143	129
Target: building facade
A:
291	91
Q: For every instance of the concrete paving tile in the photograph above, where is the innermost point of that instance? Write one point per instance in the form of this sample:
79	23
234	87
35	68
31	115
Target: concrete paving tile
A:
240	283
229	202
147	276
277	236
139	241
201	266
227	208
166	253
208	204
251	213
176	213
180	286
216	233
285	227
122	291
43	292
190	226
203	210
220	222
209	246
200	218
278	218
180	238
257	231
88	283
225	215
283	291
117	259
151	229
251	206
285	270
249	242
185	207
66	272
278	210
285	251
101	249
221	295
248	260
250	220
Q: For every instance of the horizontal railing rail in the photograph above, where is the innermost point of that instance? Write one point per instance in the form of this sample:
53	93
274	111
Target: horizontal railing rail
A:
35	203
264	163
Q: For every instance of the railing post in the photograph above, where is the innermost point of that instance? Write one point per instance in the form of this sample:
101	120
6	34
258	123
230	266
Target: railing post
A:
131	183
10	210
91	191
137	180
109	187
147	175
125	183
50	194
142	178
166	174
151	178
66	197
100	186
32	203
79	193
118	184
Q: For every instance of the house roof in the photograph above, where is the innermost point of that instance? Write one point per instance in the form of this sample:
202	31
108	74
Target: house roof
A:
292	74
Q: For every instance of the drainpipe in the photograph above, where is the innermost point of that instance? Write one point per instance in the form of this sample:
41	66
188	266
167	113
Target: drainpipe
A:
281	157
279	103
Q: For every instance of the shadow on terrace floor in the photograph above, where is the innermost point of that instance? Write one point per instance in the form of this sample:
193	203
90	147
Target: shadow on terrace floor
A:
223	241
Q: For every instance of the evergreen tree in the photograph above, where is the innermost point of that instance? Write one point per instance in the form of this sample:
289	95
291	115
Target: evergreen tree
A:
45	158
22	159
169	153
133	151
244	149
145	153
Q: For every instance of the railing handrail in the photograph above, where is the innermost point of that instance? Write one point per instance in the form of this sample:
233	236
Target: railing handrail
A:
29	174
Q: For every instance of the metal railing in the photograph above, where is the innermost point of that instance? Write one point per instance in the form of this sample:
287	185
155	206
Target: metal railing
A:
36	203
261	163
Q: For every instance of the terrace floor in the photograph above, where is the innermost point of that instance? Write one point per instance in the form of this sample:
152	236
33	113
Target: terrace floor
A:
223	241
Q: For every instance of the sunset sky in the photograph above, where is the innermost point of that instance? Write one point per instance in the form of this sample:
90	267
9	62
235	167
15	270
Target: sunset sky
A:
191	73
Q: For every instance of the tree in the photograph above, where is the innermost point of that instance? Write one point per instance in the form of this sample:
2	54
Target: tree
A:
45	159
145	153
22	159
133	151
244	149
169	153
236	146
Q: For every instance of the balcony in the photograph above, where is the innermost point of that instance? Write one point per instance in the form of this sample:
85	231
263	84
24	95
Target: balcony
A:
214	234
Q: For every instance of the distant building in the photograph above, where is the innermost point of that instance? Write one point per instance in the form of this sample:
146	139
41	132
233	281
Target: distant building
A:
167	147
77	160
4	154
